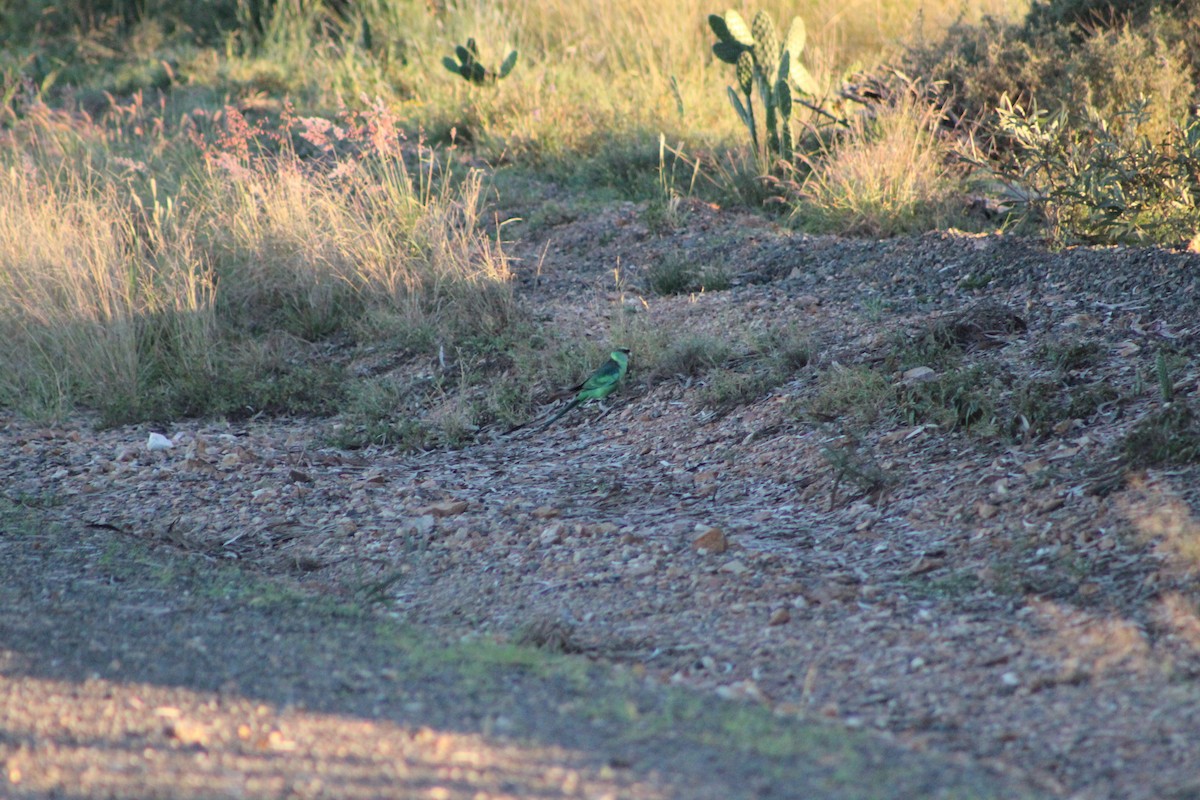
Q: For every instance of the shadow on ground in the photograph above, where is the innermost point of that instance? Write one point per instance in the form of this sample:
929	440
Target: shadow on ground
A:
130	670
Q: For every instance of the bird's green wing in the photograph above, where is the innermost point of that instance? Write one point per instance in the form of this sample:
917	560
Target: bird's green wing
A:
608	373
601	383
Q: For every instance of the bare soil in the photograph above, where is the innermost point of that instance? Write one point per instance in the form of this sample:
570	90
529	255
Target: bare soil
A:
1005	587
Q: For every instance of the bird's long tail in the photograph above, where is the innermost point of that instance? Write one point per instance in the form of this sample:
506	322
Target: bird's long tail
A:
560	414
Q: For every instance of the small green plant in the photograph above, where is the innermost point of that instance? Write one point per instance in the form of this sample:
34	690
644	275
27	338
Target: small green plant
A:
954	400
1037	406
857	467
873	307
774	68
1165	386
472	70
1071	355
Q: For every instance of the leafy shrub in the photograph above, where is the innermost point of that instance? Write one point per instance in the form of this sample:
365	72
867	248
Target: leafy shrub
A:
1114	71
1072	53
1093	182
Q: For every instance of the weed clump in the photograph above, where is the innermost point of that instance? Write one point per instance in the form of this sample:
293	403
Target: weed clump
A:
1167	437
218	288
887	173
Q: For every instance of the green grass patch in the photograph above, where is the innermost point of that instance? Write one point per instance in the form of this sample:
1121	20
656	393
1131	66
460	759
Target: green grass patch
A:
1071	355
957	399
774	358
857	394
679	275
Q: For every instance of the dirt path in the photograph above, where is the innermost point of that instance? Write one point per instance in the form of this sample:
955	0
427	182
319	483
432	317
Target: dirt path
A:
129	670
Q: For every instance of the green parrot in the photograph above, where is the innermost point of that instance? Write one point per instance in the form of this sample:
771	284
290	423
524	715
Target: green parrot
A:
600	384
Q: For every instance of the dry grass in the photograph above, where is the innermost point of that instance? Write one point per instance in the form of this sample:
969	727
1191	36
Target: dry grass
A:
111	300
889	174
317	245
586	71
89	282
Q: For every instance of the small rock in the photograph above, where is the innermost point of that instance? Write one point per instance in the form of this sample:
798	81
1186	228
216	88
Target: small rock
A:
422	525
552	535
1049	504
157	441
919	375
1010	679
448	508
925	564
638	569
712	540
545	512
734	567
986	510
199	465
781	616
187	733
741	690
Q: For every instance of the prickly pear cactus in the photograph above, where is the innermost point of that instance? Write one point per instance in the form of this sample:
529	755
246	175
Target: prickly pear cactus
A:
470	69
766	45
745	72
733	36
773	67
